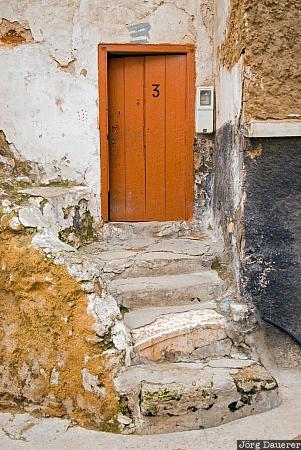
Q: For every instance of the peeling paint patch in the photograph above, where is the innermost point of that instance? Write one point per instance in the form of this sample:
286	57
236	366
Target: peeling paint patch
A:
139	33
59	103
255	152
84	72
69	67
13	169
14	33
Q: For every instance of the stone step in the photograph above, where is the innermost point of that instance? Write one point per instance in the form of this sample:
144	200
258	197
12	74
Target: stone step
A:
167	290
127	263
190	335
169	397
126	230
57	208
141	257
140	317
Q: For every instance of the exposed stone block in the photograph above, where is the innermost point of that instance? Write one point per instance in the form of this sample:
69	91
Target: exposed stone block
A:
168	397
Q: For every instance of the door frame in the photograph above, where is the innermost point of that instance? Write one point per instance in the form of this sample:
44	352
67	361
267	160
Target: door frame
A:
104	51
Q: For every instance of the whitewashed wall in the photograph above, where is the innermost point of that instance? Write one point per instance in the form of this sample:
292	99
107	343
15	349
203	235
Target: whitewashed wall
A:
228	83
49	87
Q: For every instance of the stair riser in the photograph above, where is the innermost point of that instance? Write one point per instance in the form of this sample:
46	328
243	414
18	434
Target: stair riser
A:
164	399
124	230
216	415
168	297
195	346
121	270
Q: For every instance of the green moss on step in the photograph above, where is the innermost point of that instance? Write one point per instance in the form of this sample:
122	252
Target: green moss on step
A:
42	204
81	232
216	264
123	310
124	408
162	395
151	411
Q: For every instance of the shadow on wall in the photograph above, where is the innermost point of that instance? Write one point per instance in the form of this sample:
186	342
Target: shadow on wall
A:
223	192
271	271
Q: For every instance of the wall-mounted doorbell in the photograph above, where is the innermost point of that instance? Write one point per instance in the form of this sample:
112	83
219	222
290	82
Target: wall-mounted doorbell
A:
204	109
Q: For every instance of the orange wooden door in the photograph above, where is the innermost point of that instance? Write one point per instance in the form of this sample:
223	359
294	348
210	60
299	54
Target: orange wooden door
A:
149	162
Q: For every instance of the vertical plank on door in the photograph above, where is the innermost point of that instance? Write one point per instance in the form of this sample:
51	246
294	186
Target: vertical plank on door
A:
175	136
190	111
155	137
116	139
134	138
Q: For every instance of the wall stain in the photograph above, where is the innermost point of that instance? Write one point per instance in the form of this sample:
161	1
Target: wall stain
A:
271	268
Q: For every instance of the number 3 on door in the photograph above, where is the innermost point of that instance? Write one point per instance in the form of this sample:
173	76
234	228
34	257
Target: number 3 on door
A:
156	91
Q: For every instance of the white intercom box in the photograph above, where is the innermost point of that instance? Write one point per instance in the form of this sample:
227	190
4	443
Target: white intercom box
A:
204	109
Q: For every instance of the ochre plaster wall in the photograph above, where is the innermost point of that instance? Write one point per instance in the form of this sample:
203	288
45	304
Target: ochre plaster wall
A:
268	34
49	351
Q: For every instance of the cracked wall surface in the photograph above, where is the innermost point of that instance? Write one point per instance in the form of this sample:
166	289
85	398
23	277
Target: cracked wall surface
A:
53	72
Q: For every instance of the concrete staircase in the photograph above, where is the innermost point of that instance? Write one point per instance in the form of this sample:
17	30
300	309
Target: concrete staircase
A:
187	369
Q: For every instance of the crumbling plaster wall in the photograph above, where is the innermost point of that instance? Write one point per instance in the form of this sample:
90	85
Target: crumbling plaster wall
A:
228	79
49	76
263	39
267	33
248	42
62	338
52	362
227	162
